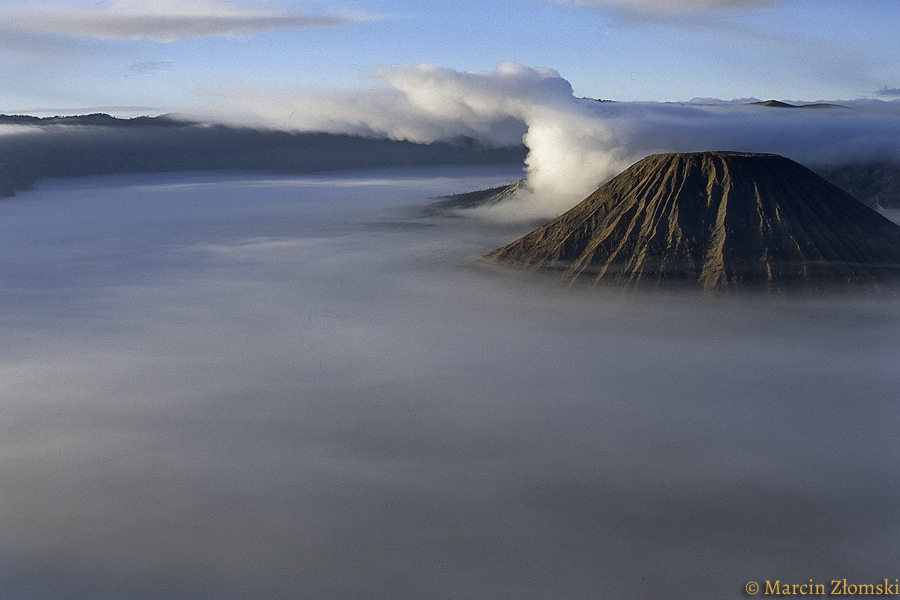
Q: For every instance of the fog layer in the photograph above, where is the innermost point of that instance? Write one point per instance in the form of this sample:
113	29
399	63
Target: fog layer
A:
246	387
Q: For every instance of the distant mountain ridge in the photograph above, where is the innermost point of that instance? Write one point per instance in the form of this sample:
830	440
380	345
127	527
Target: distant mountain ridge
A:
780	104
100	144
487	197
719	219
94	119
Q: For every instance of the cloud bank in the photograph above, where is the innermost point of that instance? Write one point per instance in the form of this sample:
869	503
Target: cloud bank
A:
232	387
169	20
575	144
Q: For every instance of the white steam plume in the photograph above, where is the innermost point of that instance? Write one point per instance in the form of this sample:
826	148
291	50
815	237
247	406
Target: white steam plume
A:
574	144
571	149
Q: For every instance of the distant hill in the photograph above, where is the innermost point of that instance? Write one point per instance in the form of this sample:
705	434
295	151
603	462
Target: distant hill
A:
717	219
780	104
478	198
92	119
100	144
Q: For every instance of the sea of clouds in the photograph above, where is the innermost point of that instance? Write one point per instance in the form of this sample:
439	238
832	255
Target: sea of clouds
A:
244	386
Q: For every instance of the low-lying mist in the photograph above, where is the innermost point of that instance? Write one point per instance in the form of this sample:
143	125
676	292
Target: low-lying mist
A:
240	386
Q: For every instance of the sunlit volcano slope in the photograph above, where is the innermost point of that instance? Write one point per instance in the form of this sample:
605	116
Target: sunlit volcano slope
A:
718	219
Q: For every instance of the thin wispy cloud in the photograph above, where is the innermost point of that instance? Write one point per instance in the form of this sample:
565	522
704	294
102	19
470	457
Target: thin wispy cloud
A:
657	8
169	21
889	92
150	67
714	25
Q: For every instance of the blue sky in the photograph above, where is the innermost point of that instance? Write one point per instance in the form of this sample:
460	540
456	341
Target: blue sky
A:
141	57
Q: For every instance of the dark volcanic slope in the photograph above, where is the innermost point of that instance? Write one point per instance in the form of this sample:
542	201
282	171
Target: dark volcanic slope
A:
875	184
717	218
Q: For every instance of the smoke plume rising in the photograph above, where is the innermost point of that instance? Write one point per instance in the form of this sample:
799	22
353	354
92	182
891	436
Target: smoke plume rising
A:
575	144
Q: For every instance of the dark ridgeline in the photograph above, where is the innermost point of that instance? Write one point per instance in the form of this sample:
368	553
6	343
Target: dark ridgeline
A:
488	197
718	219
100	144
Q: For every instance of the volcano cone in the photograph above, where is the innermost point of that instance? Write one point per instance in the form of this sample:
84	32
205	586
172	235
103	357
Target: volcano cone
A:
718	219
